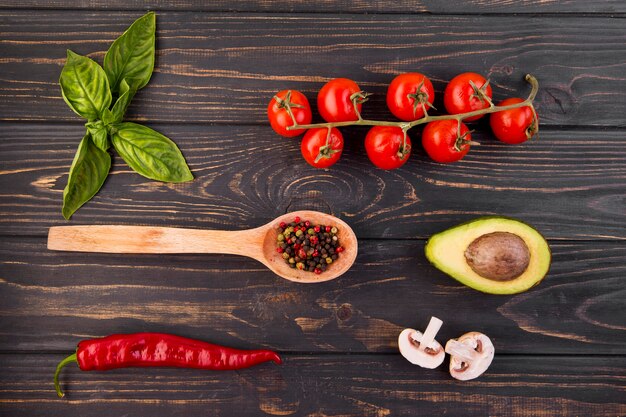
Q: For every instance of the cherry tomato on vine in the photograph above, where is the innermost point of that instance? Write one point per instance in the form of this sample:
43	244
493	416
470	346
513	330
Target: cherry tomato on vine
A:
443	143
386	147
409	94
516	125
279	116
334	100
467	92
315	149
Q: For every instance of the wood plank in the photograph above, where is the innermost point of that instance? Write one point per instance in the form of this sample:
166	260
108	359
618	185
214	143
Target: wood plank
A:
50	300
568	184
223	68
342	6
329	385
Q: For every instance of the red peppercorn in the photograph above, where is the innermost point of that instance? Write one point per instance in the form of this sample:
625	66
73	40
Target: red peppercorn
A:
307	223
318	271
339	249
297	246
297	219
279	250
315	254
295	229
283	225
302	253
317	229
328	229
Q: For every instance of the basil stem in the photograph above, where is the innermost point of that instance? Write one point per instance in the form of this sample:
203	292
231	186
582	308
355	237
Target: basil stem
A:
131	56
84	86
149	153
89	169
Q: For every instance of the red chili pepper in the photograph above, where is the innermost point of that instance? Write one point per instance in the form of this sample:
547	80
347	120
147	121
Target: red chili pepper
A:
159	349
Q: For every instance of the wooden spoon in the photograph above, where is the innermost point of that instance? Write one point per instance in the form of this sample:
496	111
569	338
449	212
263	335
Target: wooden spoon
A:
259	243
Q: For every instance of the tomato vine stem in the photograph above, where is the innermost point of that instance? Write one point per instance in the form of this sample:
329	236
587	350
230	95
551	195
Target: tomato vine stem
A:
534	84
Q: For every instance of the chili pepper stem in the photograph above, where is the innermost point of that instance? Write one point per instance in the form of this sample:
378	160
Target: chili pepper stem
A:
71	358
427	118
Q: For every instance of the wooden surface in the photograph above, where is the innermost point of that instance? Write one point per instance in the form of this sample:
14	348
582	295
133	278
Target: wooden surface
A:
560	347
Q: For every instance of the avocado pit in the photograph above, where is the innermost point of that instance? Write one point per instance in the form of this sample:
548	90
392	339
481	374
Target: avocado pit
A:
498	256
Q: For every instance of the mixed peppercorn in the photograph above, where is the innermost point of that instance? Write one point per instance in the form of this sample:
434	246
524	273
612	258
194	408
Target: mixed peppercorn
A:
308	247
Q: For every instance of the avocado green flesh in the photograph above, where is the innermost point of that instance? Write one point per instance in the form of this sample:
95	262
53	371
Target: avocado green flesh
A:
446	251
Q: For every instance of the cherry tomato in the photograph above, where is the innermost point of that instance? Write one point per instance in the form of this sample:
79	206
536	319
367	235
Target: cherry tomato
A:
467	92
279	117
443	143
406	94
386	148
334	103
314	148
515	125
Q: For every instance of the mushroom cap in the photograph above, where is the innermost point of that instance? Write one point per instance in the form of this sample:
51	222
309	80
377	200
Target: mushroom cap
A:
430	357
480	347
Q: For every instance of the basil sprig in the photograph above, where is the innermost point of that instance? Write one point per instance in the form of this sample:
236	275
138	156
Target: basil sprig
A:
102	95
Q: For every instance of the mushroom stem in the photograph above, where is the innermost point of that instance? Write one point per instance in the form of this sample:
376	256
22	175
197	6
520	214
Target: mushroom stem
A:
462	351
429	334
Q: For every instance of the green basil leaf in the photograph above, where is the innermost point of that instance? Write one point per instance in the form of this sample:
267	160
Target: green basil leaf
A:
150	153
84	86
107	117
131	56
87	174
120	106
99	134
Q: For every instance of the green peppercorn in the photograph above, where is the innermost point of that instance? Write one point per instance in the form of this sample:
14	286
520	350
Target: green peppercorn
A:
311	231
329	260
292	260
280	238
300	265
334	230
299	233
285	256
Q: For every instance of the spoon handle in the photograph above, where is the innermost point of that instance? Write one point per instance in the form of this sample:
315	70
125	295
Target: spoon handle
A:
147	239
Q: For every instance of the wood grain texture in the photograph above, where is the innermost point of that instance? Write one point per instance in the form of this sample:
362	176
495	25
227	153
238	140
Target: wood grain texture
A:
329	385
342	6
223	68
559	347
48	300
568	184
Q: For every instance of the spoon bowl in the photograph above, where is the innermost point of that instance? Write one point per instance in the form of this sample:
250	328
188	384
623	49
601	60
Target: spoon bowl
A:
258	243
275	262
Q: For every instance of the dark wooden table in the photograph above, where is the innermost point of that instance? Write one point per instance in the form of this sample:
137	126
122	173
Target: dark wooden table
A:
561	347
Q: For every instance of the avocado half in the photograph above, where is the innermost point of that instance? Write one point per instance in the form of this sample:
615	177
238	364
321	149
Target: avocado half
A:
495	255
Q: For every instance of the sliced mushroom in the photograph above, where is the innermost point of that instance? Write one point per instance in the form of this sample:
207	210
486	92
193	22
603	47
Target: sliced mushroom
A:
470	355
422	349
